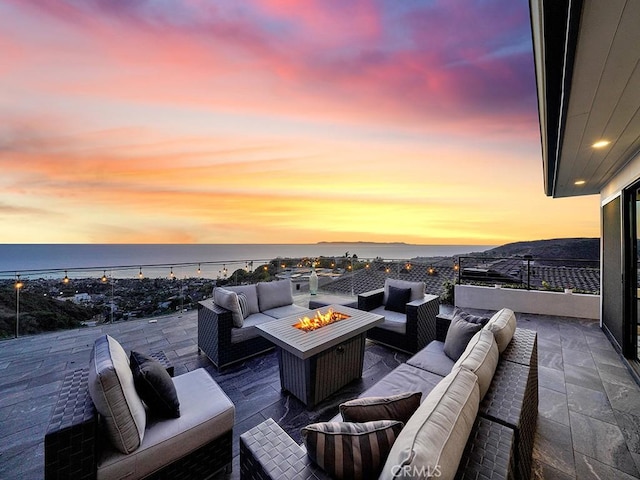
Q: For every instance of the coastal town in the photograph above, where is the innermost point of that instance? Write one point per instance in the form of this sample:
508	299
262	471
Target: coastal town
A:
58	303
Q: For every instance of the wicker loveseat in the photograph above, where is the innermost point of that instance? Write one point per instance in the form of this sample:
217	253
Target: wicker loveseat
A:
499	442
226	336
408	330
81	443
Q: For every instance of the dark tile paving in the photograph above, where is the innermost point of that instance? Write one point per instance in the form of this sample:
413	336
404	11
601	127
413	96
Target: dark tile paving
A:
589	414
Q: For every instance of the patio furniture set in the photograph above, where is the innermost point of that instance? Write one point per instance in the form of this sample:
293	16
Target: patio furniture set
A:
466	402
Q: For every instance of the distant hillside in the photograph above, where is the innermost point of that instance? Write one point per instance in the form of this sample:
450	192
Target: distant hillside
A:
38	313
569	248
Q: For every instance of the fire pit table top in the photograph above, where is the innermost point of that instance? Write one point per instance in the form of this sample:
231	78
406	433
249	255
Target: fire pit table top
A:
306	344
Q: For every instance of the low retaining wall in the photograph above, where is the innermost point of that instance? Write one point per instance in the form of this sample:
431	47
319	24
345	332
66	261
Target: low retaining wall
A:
528	301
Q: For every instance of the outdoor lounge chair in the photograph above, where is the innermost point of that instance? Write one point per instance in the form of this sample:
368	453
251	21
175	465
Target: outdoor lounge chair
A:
410	315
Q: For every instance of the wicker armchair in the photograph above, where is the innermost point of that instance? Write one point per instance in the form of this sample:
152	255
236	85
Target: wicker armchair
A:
419	327
73	441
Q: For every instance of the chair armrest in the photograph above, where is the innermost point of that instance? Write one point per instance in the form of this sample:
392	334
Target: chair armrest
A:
523	348
369	300
214	329
71	441
512	400
421	320
489	452
268	452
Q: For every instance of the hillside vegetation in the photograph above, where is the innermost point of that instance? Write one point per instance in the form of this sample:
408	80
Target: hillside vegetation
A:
562	248
38	313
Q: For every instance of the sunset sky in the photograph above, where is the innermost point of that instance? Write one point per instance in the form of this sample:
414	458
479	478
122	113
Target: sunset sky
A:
273	121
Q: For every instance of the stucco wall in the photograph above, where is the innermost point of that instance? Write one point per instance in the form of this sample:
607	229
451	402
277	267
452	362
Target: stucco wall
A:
528	301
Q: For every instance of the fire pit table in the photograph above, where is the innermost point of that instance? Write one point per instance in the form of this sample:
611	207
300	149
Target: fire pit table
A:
316	363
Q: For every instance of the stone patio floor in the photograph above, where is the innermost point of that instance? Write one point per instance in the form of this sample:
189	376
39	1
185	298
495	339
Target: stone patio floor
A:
589	408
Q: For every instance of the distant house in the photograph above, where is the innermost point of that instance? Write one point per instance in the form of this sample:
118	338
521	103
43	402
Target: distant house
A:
81	298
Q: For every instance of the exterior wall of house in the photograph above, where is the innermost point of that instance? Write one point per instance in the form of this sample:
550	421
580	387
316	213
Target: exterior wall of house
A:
528	301
612	256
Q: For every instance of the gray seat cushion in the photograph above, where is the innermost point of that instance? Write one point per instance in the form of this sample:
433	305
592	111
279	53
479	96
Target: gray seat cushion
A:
403	379
433	359
206	414
249	329
286	310
393	321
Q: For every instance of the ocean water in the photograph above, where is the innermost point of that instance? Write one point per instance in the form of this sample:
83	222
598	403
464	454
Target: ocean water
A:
157	260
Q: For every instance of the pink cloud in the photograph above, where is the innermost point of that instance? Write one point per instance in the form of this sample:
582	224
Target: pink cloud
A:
311	59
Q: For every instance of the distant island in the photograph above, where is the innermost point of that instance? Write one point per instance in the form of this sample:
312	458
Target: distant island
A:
360	242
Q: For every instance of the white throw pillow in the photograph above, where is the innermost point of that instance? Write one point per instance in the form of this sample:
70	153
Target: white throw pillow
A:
114	395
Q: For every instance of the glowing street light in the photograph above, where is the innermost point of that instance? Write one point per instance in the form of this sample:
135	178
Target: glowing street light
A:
18	285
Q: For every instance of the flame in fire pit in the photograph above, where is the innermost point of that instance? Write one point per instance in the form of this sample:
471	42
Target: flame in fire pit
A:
320	320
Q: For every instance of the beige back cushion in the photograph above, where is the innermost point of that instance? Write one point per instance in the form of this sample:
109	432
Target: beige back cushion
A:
433	440
229	300
114	395
417	289
503	326
274	294
481	357
252	295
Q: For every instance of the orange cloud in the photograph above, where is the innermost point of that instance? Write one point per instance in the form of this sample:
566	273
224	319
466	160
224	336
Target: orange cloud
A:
271	120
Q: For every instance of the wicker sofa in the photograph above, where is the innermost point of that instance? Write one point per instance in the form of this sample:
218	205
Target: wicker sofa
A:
225	336
409	331
82	444
498	445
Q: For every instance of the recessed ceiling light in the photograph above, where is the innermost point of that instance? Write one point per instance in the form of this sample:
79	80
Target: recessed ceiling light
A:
579	182
601	143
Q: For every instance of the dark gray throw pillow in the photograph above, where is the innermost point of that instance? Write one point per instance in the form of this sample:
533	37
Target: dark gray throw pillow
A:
394	407
458	336
154	385
470	318
398	299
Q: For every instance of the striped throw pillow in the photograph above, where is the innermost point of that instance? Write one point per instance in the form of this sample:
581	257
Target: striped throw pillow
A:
244	305
351	450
